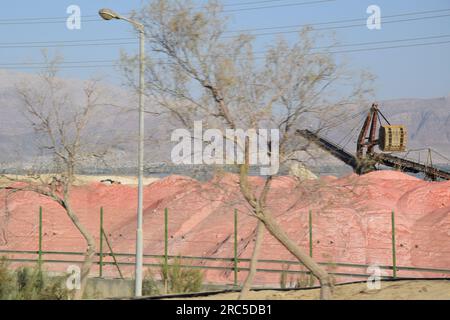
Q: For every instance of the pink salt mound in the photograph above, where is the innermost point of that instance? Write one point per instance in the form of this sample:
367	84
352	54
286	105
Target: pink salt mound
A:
389	175
351	220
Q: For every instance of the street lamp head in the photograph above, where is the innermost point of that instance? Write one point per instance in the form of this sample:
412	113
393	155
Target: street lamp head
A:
108	14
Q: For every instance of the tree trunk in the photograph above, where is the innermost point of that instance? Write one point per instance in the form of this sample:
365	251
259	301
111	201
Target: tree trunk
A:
253	262
90	251
324	278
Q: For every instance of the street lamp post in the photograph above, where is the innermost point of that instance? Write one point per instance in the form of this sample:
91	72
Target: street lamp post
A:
108	14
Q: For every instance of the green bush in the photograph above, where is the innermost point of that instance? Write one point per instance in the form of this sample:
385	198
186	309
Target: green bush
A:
27	283
182	279
150	285
7	284
177	278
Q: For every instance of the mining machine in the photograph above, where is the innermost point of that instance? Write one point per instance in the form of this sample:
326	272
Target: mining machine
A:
387	138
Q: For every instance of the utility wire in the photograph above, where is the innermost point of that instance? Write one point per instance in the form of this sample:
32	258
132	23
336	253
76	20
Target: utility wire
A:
352	133
340	21
64	62
63	18
61	44
4	44
77	43
18	66
67	41
344	26
49	20
279	6
249	3
64	67
256	52
391	47
93	42
386	41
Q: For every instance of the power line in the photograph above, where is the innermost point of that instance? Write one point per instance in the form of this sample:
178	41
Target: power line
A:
373	42
392	47
91	42
280	6
68	45
64	67
34	65
19	44
64	18
67	41
386	41
64	62
376	48
358	124
311	24
345	26
249	3
49	20
394	21
63	43
338	21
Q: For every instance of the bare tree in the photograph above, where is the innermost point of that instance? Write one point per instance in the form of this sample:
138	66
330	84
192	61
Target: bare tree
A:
60	122
198	70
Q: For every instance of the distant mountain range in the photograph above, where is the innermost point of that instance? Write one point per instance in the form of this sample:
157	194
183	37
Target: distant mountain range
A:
427	122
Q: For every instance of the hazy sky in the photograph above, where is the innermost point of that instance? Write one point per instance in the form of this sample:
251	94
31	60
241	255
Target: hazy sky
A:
410	71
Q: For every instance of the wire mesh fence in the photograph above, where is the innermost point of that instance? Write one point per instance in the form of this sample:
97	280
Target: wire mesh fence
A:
111	263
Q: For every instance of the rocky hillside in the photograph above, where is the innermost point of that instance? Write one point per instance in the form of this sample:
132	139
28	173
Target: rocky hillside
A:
427	120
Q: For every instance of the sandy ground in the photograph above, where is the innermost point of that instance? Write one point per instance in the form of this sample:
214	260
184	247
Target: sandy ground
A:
398	290
87	179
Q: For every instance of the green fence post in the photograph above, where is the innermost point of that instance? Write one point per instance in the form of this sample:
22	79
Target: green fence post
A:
394	255
311	277
310	234
166	237
40	239
101	243
235	248
166	250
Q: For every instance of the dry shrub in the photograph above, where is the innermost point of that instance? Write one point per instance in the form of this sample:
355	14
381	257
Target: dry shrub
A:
30	283
176	277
